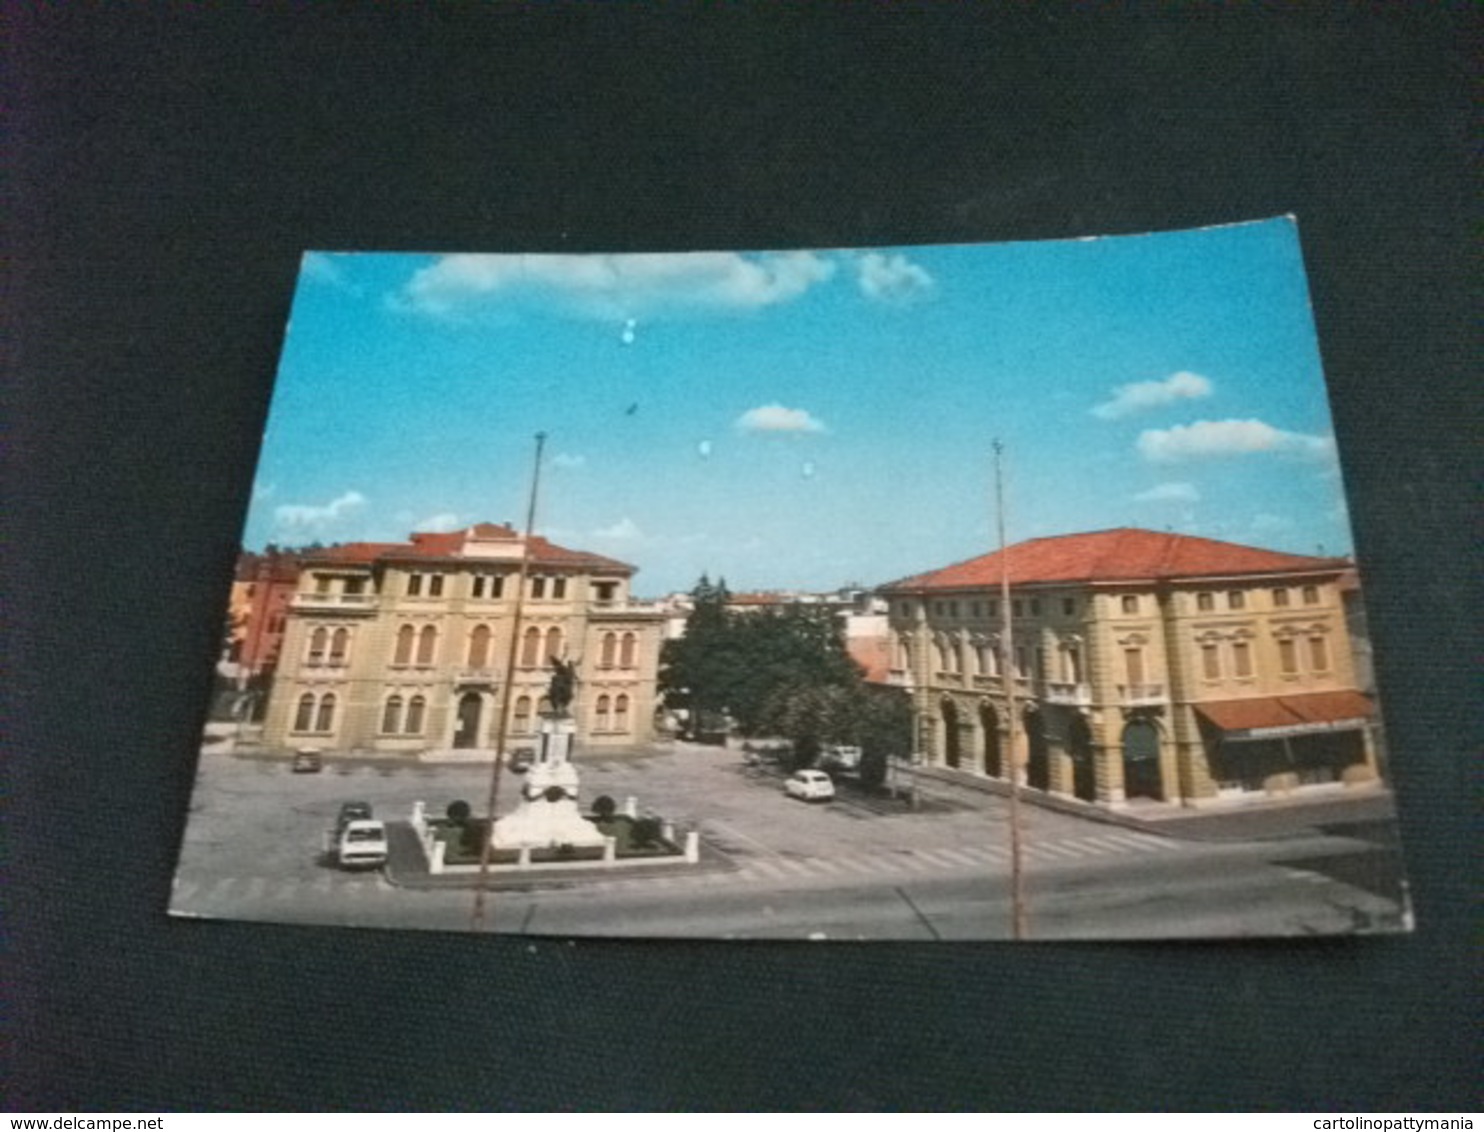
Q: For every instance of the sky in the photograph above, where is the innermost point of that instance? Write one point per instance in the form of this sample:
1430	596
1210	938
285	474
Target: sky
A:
807	419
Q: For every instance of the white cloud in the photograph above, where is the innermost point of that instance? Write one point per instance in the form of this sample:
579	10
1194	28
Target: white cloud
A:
308	517
1169	493
326	268
776	418
443	521
615	287
1141	395
567	460
892	278
1212	439
625	530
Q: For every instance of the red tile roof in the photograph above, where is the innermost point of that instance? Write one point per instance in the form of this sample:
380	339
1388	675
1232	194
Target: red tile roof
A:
1125	554
444	546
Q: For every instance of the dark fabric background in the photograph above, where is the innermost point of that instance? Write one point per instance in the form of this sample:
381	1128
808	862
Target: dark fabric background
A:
169	165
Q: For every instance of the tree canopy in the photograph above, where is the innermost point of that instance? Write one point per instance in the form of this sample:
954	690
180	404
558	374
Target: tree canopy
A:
783	672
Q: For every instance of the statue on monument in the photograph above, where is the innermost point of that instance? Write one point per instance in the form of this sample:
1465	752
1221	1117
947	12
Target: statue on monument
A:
563	685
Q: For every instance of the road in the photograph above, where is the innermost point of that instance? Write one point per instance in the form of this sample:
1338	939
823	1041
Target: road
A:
782	869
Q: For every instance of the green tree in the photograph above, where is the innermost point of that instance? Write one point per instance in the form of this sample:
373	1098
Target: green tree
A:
781	651
697	669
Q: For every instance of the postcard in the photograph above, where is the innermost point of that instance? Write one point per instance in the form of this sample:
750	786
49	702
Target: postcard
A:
969	592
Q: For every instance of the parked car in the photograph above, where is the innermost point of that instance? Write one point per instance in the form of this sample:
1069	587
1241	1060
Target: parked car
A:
809	786
842	758
521	759
351	812
308	761
362	845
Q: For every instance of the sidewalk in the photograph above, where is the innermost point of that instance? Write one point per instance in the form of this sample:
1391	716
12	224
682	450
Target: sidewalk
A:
1236	820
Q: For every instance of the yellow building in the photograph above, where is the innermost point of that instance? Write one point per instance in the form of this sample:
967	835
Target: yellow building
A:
402	647
1145	665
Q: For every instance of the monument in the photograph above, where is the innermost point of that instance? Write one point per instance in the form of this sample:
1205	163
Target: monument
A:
547	816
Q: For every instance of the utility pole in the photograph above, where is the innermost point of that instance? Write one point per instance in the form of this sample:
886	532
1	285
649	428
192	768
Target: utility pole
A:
487	849
1007	683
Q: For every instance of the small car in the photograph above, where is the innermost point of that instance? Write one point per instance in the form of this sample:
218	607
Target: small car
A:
521	759
361	845
809	786
308	761
351	812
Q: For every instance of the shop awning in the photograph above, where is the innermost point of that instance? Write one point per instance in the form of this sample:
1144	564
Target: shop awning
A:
1275	717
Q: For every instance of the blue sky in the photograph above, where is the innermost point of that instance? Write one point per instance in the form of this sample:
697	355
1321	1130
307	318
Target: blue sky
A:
807	419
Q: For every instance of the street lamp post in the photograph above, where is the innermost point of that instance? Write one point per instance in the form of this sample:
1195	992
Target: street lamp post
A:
487	849
1007	683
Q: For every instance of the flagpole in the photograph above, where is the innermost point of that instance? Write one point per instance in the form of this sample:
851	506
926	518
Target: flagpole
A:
487	849
1007	683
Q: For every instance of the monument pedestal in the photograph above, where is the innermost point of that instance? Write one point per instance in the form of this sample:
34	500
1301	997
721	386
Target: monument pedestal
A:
548	815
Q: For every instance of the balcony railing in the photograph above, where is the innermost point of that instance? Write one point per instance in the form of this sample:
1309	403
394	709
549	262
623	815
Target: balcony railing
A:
474	676
1134	695
1073	695
343	602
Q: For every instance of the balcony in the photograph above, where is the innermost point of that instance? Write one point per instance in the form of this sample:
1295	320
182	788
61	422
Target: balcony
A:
1070	694
335	668
337	603
467	677
1142	695
624	607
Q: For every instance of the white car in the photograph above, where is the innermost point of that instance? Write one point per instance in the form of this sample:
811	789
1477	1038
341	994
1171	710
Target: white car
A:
810	786
362	845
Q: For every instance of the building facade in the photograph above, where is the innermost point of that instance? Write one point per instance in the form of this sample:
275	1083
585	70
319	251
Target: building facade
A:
1143	665
263	588
403	647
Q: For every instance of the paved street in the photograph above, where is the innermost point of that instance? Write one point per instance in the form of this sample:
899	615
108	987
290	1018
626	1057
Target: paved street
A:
777	868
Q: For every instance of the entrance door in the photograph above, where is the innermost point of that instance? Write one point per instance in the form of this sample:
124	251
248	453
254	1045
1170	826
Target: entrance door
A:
951	751
1141	761
466	734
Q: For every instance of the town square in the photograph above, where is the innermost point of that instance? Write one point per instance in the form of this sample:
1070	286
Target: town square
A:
690	596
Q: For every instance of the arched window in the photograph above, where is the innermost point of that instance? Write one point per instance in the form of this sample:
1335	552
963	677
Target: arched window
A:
1072	661
1241	658
604	708
305	715
324	719
427	644
317	640
1318	654
1210	660
1287	656
530	648
479	646
391	716
415	715
553	641
621	713
941	643
626	653
405	636
522	724
605	656
339	646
